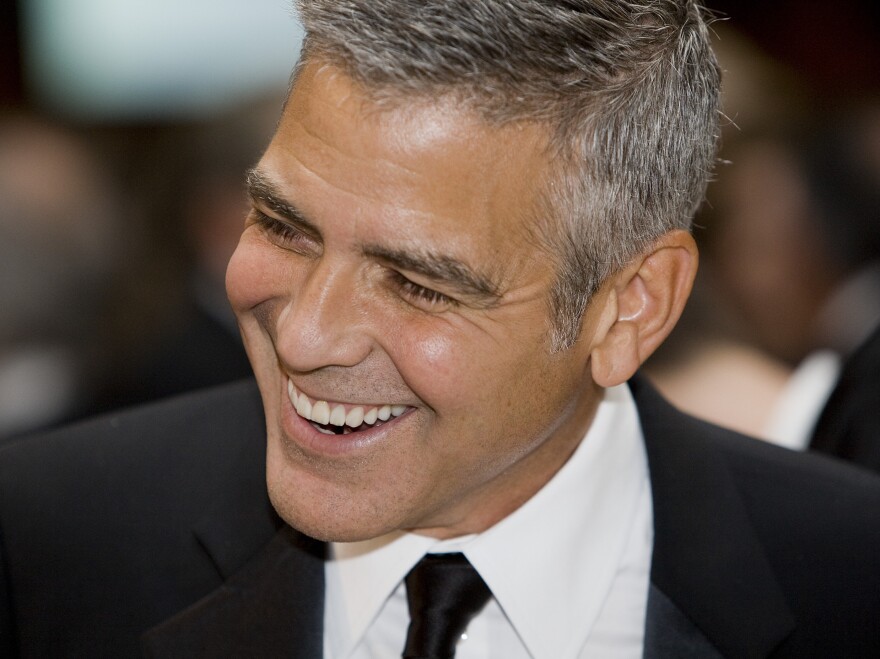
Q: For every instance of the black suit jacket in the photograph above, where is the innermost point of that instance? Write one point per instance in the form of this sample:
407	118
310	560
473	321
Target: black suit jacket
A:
151	531
849	425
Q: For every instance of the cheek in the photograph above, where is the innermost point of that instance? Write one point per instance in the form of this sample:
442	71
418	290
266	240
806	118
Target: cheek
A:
449	367
431	359
426	358
438	353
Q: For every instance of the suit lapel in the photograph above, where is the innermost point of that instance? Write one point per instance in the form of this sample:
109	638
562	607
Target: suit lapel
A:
670	633
271	601
711	583
272	607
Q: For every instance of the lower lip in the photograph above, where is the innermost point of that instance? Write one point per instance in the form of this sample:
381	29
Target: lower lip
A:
313	442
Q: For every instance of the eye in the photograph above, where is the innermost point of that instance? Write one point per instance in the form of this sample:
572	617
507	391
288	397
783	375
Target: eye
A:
283	234
421	296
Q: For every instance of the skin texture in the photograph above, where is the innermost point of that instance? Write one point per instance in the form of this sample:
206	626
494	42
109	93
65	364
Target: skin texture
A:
328	300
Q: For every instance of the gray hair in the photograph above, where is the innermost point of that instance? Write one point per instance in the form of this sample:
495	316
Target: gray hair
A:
629	92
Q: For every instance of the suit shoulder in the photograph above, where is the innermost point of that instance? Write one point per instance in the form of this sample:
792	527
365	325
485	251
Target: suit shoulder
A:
144	461
156	466
223	416
819	481
803	504
130	517
758	533
757	465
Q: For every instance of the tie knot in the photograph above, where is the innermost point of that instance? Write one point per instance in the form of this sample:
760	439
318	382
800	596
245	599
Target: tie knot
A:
444	592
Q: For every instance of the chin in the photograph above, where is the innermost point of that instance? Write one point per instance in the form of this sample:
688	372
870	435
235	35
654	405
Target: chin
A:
334	519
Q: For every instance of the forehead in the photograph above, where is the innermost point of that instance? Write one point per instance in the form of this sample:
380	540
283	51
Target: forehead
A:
413	157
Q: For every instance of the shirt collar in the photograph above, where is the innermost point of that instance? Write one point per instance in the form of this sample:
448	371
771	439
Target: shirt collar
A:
549	564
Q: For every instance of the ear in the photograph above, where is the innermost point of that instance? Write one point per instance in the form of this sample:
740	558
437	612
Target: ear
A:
644	304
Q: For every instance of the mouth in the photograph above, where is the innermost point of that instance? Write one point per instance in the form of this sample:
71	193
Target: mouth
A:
335	418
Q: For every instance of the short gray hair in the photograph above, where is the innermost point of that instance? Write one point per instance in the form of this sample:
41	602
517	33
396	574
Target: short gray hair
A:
629	92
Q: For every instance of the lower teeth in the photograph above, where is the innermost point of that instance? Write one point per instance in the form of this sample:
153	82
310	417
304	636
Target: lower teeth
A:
328	429
334	430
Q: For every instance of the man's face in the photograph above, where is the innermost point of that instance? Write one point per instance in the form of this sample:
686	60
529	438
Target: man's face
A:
387	272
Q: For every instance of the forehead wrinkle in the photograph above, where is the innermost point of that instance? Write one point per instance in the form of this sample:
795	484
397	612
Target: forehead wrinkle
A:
369	119
372	131
381	113
350	185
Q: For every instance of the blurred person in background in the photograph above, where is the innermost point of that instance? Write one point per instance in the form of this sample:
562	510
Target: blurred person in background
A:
797	249
847	177
156	87
788	286
712	366
193	340
60	250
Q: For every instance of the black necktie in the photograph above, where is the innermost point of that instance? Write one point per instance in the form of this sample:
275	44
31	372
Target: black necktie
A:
444	592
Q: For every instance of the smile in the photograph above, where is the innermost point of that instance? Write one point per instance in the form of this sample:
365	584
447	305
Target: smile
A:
340	418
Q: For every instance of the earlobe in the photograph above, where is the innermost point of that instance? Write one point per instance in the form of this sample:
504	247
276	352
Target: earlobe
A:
649	295
615	359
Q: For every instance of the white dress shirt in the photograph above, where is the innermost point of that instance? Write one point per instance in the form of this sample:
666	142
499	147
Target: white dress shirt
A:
568	570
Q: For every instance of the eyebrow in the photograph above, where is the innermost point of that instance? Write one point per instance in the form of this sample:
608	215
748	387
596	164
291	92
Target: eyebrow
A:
437	267
261	189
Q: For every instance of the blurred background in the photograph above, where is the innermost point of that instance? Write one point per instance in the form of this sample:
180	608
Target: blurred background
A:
126	126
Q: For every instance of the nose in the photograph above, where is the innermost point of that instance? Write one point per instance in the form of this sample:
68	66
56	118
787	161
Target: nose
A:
323	322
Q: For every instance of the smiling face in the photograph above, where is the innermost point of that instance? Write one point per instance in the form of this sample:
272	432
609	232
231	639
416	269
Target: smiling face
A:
394	308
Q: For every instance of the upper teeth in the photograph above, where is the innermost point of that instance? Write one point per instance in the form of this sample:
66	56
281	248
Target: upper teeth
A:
336	414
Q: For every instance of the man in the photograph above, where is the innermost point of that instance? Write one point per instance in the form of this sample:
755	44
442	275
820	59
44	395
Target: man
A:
466	235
